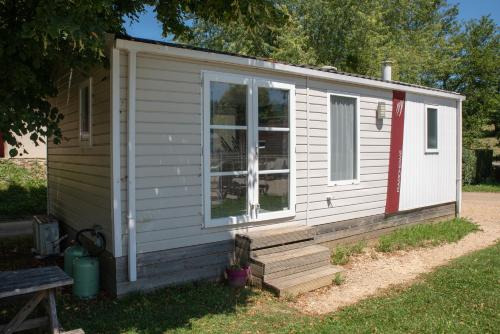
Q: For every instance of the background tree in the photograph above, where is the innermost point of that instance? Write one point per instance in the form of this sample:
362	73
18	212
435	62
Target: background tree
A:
477	75
41	39
424	38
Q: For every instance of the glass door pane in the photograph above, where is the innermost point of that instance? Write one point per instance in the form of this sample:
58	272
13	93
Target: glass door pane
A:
228	150
273	135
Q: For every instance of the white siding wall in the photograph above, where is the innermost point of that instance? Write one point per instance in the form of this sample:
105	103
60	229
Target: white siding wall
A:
79	176
428	179
169	161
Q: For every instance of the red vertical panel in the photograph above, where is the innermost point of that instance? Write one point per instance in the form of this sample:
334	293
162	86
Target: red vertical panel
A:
396	155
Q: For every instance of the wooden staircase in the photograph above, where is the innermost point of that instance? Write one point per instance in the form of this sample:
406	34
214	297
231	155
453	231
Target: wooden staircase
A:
286	260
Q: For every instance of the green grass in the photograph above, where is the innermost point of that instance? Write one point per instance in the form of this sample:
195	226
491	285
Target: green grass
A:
426	235
342	253
486	187
463	297
23	191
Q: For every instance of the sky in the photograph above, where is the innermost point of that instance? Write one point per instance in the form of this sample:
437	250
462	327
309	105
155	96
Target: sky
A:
148	27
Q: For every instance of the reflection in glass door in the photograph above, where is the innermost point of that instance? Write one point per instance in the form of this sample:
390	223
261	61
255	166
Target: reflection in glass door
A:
273	150
228	149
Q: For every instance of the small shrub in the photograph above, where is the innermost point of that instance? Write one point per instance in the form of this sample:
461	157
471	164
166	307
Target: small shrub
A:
469	162
342	253
338	279
426	235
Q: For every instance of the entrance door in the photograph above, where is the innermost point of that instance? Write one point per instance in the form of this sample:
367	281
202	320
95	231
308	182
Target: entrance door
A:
249	172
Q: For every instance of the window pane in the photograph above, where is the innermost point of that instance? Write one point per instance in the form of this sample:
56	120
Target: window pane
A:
228	195
84	110
228	104
273	150
343	138
273	192
273	107
228	150
432	140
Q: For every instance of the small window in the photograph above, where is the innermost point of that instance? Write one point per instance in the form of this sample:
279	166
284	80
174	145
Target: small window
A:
86	111
344	139
431	129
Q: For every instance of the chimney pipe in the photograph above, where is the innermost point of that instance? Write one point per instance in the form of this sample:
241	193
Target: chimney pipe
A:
387	70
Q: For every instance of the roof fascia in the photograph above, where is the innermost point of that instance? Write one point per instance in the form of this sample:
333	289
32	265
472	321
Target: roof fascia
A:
206	56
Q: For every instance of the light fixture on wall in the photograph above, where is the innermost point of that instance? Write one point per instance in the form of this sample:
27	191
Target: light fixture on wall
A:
381	110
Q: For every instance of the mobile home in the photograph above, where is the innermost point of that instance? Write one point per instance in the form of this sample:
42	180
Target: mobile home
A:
176	152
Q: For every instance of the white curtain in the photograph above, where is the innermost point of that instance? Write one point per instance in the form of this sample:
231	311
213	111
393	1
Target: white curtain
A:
343	139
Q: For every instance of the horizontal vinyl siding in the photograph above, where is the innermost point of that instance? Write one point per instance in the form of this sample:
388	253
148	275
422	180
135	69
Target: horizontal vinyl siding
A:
169	154
428	178
79	176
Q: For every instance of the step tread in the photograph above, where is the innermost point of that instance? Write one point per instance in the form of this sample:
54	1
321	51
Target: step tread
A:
291	254
311	279
274	232
256	254
275	237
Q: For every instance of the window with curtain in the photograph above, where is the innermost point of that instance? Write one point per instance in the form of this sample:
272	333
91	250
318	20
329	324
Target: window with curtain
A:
343	139
432	129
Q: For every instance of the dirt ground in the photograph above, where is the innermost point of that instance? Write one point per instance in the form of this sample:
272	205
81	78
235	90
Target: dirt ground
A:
372	272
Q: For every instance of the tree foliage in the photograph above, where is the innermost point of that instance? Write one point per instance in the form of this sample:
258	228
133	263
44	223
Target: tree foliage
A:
42	39
428	43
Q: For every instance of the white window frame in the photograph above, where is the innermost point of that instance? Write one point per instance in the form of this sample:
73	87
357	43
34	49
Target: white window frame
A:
428	150
253	83
85	137
356	180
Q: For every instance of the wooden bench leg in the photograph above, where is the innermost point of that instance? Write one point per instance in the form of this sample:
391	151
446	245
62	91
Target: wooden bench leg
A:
55	327
23	313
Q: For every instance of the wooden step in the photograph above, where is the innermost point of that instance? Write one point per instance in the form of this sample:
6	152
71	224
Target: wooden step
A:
304	281
267	264
275	237
266	251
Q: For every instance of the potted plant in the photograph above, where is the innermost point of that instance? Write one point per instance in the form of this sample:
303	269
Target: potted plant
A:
237	275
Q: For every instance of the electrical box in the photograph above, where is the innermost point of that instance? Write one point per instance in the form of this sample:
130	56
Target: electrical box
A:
381	110
46	235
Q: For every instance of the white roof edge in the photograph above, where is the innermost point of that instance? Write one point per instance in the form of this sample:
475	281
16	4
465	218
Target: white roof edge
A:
208	56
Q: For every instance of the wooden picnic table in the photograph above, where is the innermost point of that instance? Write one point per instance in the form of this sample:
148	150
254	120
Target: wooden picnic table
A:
42	283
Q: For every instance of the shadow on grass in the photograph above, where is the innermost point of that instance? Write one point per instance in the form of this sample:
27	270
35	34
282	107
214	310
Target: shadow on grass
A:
17	201
169	309
173	308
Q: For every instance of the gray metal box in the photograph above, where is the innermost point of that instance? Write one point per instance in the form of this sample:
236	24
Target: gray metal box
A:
46	235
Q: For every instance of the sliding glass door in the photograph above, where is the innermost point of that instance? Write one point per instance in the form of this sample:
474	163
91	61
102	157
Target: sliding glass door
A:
249	161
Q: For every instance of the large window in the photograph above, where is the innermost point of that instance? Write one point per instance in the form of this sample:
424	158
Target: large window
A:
248	156
85	111
431	129
343	139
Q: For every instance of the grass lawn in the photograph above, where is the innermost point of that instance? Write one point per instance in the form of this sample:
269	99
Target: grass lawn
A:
23	191
463	297
487	187
342	253
409	237
426	235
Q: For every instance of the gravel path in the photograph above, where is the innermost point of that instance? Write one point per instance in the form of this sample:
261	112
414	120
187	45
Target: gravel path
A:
372	272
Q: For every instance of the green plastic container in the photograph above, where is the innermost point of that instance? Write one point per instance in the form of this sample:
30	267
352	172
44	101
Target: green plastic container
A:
70	254
86	277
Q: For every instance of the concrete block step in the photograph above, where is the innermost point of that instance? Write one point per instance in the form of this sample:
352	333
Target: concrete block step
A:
293	258
304	281
276	237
